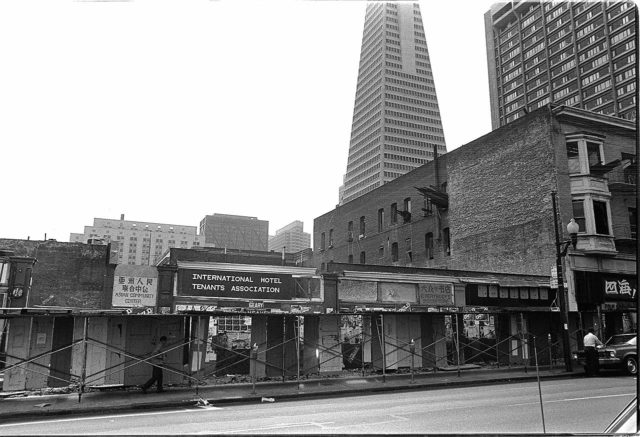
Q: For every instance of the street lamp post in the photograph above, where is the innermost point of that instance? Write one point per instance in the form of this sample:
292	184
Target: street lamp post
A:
561	252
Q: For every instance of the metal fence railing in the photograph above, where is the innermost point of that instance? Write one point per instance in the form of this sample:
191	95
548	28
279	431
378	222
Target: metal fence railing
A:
391	352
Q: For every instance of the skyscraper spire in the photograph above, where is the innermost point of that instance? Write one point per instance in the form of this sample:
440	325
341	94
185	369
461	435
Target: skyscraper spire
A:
396	120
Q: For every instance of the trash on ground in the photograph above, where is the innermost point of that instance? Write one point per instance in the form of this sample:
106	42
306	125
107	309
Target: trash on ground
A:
268	399
44	404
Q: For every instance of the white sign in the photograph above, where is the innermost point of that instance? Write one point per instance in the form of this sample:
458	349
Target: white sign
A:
553	280
134	291
134	286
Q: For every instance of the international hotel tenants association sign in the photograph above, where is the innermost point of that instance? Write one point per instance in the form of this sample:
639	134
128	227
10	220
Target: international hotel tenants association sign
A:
240	285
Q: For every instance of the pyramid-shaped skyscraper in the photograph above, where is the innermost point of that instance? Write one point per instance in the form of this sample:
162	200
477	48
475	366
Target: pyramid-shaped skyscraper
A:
396	120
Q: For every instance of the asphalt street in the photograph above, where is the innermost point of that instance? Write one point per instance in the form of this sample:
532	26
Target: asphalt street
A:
576	405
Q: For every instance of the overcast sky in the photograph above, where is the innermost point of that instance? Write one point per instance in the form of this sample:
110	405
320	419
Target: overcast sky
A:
167	111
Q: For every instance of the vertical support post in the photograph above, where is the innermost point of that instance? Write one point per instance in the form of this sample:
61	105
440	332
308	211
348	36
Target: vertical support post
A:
362	350
198	354
412	349
383	346
254	361
458	342
600	323
495	334
523	343
564	310
83	375
284	341
550	345
297	333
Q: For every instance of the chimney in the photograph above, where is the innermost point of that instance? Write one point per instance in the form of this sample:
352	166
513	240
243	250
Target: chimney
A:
121	216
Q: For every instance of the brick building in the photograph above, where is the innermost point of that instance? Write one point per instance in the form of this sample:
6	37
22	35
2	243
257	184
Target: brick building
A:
487	206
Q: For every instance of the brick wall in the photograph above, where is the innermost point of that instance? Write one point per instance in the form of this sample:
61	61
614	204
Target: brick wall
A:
500	199
66	274
376	244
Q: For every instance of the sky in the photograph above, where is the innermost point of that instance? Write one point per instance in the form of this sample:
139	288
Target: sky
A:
168	111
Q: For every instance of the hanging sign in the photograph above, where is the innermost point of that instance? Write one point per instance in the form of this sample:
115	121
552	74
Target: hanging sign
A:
135	286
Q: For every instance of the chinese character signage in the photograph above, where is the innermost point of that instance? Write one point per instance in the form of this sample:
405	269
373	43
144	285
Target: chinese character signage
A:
240	285
620	288
135	286
435	294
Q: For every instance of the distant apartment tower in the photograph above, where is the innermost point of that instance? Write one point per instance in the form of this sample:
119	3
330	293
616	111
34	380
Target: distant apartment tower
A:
396	123
580	54
291	237
139	243
235	232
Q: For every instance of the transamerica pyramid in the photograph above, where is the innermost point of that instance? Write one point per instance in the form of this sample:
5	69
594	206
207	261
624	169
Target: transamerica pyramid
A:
396	121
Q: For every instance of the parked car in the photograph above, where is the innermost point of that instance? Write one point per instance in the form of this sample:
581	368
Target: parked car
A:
619	352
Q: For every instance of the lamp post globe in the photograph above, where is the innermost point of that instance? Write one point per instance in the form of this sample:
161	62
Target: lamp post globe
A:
573	228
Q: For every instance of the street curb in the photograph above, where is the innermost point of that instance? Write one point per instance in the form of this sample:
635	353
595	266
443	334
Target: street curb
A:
257	398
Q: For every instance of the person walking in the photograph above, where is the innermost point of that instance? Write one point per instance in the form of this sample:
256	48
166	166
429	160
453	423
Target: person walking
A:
157	359
591	353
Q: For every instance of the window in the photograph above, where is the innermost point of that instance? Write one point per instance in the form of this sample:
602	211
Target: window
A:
633	222
350	259
578	214
394	213
573	157
235	323
409	251
4	272
362	257
601	217
427	207
593	153
381	251
330	238
406	213
322	237
394	252
380	219
350	231
428	245
446	240
362	226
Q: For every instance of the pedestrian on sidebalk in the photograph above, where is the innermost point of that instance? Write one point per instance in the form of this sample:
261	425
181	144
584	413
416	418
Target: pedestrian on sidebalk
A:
591	353
157	360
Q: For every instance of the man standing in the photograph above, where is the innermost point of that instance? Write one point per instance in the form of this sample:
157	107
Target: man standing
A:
591	353
157	359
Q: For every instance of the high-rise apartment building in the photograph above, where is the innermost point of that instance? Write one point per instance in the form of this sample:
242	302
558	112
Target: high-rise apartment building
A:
580	54
139	243
235	232
396	120
290	238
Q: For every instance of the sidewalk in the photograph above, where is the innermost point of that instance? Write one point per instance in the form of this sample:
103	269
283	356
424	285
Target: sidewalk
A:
28	406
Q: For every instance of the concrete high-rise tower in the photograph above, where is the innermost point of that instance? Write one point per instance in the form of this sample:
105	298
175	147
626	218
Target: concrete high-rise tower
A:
580	54
396	121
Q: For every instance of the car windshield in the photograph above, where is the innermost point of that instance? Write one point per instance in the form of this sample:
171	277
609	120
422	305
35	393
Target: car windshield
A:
622	339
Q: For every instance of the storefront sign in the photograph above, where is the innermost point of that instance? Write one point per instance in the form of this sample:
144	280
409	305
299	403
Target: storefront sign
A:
397	292
135	286
196	308
619	289
357	291
435	294
241	285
